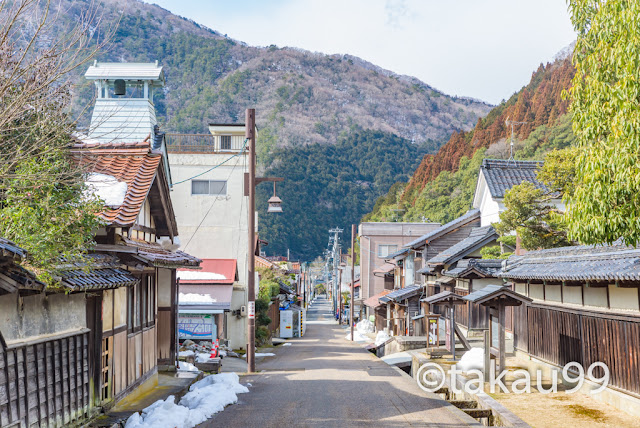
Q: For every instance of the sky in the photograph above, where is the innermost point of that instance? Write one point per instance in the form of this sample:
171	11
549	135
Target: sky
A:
484	49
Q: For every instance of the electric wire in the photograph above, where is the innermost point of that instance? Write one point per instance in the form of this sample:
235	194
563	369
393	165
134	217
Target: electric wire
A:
244	146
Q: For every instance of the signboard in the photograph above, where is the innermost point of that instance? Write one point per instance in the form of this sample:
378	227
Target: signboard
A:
433	329
196	327
252	309
448	335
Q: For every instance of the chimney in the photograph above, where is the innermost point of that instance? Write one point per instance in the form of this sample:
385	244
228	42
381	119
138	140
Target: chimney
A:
124	110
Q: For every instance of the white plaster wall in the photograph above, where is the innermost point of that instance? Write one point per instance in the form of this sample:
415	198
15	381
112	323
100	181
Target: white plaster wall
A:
536	291
480	283
164	288
623	298
552	293
595	296
572	294
521	288
40	315
237	327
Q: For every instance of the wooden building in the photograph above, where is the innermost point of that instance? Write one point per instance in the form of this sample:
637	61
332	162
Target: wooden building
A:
586	308
136	325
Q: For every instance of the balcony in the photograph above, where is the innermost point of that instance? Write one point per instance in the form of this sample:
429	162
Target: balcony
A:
204	143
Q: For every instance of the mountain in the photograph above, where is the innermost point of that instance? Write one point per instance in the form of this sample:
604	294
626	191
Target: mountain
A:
314	113
301	97
442	186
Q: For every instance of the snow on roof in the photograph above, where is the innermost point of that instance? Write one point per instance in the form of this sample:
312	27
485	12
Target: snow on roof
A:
107	188
191	274
125	70
195	299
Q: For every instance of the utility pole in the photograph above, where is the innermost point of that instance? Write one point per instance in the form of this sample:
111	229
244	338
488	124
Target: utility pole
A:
250	134
250	183
353	274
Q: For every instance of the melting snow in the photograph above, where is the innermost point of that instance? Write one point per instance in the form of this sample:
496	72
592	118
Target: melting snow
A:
188	367
381	337
472	359
198	274
195	299
204	399
358	337
107	188
185	353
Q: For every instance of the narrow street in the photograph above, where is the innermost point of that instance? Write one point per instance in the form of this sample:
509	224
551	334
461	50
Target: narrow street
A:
323	380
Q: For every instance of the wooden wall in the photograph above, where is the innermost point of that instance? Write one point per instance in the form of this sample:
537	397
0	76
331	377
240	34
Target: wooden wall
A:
560	335
45	384
273	313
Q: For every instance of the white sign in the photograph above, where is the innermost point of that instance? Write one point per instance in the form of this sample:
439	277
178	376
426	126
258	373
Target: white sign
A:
252	309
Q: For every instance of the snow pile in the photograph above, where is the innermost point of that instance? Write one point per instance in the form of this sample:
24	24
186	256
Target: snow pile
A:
198	274
472	359
365	326
286	344
195	299
107	188
203	357
188	367
358	337
204	399
381	337
186	353
262	354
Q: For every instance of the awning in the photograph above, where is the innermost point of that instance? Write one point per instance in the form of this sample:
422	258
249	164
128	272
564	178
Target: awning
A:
384	269
373	302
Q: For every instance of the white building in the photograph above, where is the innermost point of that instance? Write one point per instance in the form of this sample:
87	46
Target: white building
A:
211	208
496	176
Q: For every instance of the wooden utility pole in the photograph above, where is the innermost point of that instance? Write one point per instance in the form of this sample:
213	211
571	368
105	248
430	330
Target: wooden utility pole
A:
353	264
250	134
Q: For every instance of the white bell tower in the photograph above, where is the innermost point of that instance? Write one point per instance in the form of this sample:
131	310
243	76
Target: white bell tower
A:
124	110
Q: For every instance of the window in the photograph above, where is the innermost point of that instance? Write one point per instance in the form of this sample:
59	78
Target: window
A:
208	187
225	142
385	250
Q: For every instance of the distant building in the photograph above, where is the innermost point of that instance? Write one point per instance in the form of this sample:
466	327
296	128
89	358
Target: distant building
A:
377	242
211	207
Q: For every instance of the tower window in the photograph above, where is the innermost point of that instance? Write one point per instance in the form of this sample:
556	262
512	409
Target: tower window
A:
225	142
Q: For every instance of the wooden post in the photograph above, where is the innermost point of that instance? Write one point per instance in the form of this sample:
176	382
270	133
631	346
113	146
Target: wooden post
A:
501	333
487	353
353	264
250	118
453	330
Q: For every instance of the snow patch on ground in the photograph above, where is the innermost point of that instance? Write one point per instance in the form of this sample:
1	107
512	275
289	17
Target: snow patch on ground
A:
195	299
198	274
397	358
107	188
188	367
203	357
381	337
286	344
472	359
365	326
358	337
262	354
186	353
204	399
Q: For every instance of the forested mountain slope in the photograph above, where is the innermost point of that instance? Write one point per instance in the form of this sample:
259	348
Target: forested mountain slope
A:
442	186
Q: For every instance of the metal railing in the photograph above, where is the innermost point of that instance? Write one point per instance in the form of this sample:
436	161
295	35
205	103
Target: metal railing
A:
202	143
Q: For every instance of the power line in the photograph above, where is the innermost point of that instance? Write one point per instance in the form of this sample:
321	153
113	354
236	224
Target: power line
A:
244	145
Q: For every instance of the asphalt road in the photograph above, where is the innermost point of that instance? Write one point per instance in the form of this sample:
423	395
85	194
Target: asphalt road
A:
323	380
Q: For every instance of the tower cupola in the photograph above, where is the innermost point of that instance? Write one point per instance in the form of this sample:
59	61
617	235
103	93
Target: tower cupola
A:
124	110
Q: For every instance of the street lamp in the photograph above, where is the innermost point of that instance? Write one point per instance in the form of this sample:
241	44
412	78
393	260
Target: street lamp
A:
275	205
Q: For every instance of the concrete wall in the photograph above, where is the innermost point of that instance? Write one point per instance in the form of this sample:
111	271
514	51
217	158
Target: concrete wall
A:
25	318
224	231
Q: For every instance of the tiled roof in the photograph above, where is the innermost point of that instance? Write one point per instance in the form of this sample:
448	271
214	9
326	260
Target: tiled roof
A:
478	237
426	270
103	272
468	217
134	164
481	267
10	250
401	294
442	298
616	262
492	291
385	268
398	253
373	301
501	175
154	255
